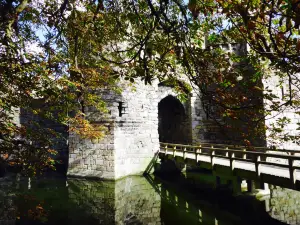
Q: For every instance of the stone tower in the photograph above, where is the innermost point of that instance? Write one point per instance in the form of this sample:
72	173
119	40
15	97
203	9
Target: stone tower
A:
137	122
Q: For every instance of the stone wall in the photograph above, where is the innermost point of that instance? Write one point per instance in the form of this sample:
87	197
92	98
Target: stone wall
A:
16	116
273	83
136	132
197	115
25	118
91	158
59	142
133	132
284	205
278	88
41	125
96	158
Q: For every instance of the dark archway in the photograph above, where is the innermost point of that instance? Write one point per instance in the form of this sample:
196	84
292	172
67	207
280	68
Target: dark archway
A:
173	121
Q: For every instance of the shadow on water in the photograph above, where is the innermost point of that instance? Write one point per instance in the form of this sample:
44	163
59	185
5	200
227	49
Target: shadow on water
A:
132	200
192	204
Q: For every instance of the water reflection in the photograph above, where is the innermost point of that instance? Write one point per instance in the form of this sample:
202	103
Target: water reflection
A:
7	207
138	200
128	201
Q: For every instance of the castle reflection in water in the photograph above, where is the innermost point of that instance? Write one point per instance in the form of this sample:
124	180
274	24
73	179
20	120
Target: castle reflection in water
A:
139	200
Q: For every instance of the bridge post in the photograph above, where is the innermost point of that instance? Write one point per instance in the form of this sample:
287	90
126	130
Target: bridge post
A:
292	173
184	159
250	186
265	189
237	185
267	205
218	182
199	151
174	151
257	165
265	186
212	153
244	155
232	156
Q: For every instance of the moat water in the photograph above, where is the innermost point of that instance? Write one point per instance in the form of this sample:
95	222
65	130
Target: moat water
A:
139	200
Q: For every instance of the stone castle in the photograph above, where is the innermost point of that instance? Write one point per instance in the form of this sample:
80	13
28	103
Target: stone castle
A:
138	121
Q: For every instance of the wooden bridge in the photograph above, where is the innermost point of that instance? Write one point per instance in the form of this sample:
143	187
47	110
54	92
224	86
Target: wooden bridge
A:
268	166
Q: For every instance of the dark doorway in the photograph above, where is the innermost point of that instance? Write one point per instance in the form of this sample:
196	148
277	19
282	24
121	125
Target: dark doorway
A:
172	125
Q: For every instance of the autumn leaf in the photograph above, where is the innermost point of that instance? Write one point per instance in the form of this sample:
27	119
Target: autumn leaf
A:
251	25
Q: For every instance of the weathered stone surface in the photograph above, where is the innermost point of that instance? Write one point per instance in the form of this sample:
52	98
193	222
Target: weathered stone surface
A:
278	88
134	132
285	205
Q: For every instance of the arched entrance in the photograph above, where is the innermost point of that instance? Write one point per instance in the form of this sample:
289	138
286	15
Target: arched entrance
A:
172	121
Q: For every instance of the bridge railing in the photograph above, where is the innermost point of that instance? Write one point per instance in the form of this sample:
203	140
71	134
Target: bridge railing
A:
237	147
256	148
234	154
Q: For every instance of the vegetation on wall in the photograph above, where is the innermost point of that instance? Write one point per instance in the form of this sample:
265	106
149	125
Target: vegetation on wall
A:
59	52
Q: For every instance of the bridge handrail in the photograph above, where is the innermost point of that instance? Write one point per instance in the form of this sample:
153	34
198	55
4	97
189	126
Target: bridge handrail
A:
239	151
234	147
242	152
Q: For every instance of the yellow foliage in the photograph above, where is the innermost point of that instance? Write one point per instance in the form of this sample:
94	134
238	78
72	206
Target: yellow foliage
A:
82	127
